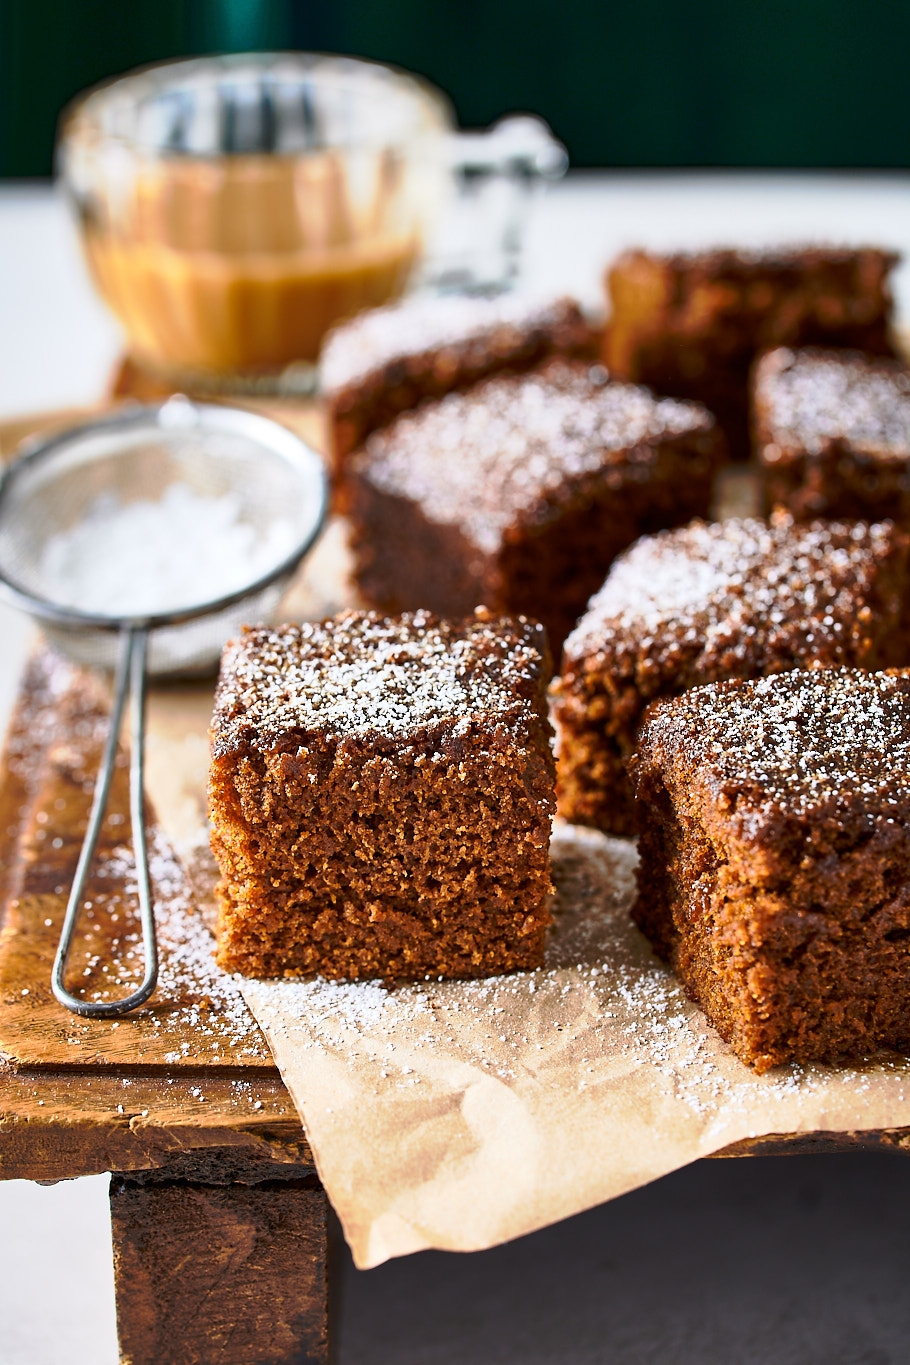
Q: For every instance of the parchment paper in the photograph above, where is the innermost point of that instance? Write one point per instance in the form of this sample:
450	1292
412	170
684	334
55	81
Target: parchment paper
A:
458	1115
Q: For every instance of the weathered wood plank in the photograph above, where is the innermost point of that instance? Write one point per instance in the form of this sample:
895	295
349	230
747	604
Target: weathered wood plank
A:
54	1127
197	1018
220	1275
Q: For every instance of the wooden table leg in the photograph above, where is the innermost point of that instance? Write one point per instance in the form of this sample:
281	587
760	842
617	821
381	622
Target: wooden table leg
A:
220	1274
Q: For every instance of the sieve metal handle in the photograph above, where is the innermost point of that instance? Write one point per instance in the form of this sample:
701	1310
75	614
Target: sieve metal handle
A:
129	681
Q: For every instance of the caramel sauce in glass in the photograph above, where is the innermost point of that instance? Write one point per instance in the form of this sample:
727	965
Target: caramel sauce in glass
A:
242	263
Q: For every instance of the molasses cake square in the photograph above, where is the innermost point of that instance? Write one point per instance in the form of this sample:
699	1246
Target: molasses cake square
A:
832	433
691	323
521	492
381	794
388	360
775	859
732	599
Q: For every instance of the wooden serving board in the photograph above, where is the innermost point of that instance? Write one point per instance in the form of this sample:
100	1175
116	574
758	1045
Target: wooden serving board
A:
190	1069
197	1018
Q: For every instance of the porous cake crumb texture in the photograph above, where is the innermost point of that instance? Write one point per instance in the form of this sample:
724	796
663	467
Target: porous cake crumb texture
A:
381	795
775	859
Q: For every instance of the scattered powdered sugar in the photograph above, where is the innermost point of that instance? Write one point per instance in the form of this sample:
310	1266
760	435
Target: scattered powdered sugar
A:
419	324
799	739
197	1014
744	589
334	1009
195	1000
809	398
482	459
197	1009
600	1009
363	671
149	557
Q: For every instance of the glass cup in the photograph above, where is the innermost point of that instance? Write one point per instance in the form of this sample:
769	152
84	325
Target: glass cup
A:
232	209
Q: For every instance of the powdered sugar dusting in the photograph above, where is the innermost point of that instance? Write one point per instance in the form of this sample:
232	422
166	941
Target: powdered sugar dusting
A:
420	324
194	1001
482	459
799	740
741	591
602	1006
362	671
460	1114
809	398
197	1015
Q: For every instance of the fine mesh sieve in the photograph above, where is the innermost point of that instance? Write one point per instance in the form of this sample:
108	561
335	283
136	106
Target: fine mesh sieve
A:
141	542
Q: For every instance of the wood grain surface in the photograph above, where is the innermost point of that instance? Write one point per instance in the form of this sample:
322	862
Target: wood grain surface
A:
189	1074
57	1126
197	1019
258	1295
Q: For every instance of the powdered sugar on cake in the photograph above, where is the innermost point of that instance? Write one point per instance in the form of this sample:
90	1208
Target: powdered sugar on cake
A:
723	585
414	326
484	459
810	398
801	740
366	672
602	1006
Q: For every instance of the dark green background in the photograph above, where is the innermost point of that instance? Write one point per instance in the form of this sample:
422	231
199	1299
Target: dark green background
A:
639	83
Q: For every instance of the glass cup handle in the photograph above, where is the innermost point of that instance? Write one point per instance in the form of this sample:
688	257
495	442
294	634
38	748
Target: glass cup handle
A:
497	173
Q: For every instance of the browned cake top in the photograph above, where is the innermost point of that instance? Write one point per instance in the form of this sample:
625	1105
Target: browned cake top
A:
392	676
502	453
811	397
740	588
419	325
785	258
820	742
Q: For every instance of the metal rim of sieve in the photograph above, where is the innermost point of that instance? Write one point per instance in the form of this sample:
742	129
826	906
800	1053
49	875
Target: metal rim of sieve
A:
204	418
174	415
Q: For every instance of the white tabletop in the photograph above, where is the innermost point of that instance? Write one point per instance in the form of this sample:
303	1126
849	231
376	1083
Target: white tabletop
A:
761	1261
57	342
